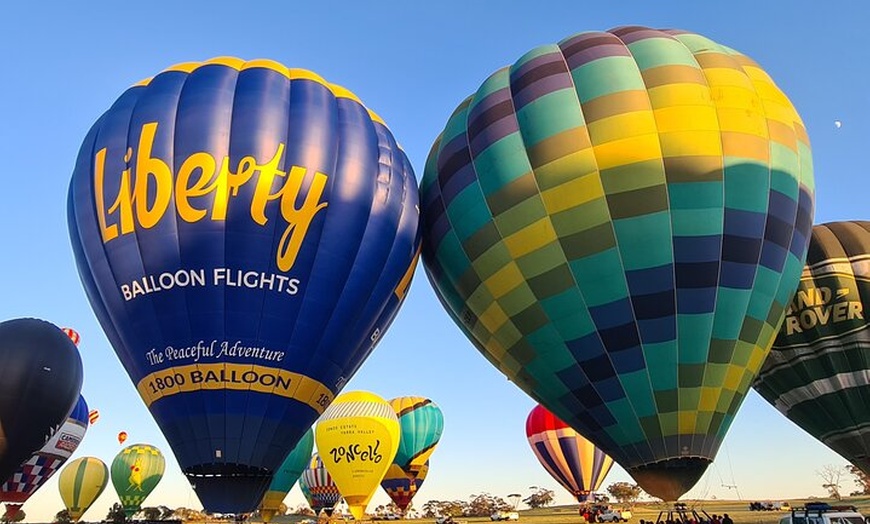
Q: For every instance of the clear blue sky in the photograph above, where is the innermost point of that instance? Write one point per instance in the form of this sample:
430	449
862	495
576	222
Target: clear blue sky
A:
64	63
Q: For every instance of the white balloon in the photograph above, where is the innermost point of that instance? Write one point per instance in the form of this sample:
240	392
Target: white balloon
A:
838	124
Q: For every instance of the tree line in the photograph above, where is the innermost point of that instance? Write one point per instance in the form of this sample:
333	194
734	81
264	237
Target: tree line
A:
478	505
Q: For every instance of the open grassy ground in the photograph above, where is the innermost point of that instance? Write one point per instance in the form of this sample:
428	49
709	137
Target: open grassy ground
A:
738	510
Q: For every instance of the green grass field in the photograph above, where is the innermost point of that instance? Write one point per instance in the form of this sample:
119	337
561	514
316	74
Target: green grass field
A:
738	510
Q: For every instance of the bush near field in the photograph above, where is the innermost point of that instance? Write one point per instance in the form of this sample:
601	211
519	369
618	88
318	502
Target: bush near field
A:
738	510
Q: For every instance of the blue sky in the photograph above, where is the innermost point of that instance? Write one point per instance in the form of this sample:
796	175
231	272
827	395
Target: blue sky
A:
412	63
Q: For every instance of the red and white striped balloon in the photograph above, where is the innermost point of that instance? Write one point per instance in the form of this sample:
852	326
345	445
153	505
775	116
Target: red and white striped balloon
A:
72	334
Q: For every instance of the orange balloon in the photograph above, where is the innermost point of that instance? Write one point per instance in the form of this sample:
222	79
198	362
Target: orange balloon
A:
122	436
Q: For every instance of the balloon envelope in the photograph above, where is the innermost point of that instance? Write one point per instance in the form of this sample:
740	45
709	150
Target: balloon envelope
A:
357	437
40	381
31	475
421	422
617	222
245	234
818	373
568	457
81	482
122	437
402	485
317	485
286	476
136	471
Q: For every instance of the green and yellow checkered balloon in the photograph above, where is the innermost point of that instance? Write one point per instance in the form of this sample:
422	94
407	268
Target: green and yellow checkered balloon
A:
618	223
136	471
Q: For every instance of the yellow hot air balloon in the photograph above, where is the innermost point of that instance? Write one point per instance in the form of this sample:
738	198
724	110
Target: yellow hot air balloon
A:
81	483
357	438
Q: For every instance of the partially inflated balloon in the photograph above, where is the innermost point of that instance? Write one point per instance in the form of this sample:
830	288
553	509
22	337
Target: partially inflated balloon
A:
31	475
136	471
286	476
245	233
401	485
618	222
306	493
422	423
818	372
40	381
318	486
81	482
568	457
357	437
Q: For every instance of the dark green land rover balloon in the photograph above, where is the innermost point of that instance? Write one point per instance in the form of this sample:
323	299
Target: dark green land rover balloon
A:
818	372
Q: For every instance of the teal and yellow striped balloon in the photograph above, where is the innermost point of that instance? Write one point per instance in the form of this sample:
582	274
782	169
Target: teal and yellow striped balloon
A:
287	475
307	494
421	422
136	471
81	482
618	222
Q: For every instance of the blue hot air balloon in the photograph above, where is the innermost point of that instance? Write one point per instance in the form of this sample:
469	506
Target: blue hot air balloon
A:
245	233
